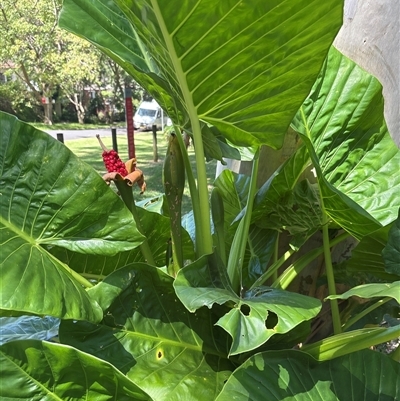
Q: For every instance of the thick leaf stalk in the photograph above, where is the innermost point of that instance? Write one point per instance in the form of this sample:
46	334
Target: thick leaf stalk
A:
337	327
238	248
194	195
174	184
217	213
272	269
125	191
203	244
292	271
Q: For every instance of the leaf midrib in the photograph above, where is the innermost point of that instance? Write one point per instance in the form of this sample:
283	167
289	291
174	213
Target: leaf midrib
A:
16	230
178	344
204	240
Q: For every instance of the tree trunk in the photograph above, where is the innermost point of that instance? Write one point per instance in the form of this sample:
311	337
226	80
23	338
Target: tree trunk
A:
80	110
48	113
81	114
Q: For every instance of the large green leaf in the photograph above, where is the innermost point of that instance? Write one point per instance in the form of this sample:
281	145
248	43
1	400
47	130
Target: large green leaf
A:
157	230
295	376
149	335
50	198
354	156
255	316
33	370
34	282
53	198
350	342
372	290
104	24
229	64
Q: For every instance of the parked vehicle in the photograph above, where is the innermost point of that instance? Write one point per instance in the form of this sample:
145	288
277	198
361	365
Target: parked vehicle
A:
149	114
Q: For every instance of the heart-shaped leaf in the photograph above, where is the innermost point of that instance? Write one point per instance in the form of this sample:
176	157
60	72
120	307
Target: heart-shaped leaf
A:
54	198
254	317
103	23
32	369
342	124
50	198
230	65
150	336
294	375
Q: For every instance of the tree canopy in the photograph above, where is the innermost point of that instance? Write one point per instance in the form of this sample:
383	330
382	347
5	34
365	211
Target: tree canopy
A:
47	59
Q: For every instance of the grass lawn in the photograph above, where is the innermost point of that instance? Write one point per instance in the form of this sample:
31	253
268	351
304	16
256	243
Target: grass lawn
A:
88	149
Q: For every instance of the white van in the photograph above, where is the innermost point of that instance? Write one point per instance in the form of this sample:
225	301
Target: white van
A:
149	114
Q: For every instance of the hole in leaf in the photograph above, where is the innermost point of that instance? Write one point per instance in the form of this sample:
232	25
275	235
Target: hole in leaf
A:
245	309
271	321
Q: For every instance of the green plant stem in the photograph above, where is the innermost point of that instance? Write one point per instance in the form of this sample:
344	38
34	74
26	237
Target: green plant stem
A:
204	230
337	326
193	190
203	235
292	271
79	278
360	315
127	196
97	277
327	252
273	268
239	243
218	216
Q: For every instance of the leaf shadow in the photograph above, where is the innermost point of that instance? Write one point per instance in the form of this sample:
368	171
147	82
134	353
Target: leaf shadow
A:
143	319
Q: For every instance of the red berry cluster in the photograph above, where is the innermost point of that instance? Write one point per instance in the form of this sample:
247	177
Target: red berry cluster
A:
113	163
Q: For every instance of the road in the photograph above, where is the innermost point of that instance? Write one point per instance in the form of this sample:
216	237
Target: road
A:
85	133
